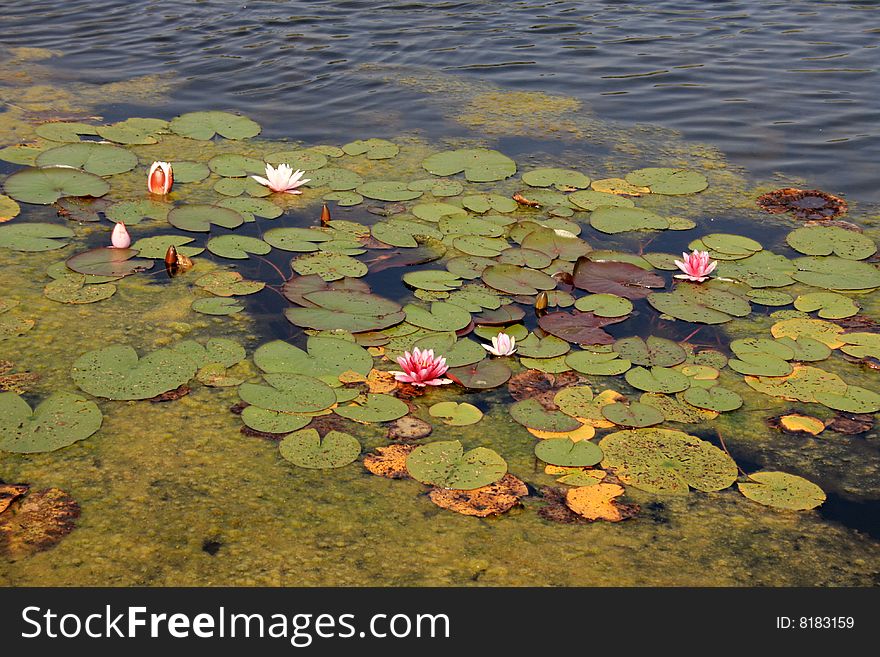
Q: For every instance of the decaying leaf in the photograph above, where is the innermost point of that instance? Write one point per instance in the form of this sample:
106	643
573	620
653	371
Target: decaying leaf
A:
172	395
851	423
797	424
380	382
9	493
584	432
17	382
493	499
409	428
803	203
389	461
598	502
534	383
522	200
36	522
555	509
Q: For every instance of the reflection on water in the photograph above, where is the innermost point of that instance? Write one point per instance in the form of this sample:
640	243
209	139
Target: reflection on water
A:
176	495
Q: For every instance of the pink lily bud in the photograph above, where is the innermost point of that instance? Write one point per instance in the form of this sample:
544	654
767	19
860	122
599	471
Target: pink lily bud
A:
120	239
161	178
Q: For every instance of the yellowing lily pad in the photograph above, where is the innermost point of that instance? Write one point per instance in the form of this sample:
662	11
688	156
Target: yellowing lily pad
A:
782	490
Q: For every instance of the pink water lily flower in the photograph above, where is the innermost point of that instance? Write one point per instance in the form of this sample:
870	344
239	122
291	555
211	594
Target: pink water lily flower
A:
696	266
421	368
502	345
120	239
160	178
282	179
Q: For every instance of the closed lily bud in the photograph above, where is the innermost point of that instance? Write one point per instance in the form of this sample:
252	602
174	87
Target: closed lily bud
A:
171	257
541	303
176	263
161	178
325	215
120	239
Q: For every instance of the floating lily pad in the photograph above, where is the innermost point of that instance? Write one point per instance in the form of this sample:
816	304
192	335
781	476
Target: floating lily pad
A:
441	317
228	283
564	452
494	499
517	280
620	278
156	247
217	306
482	375
134	131
666	461
657	379
431	279
307	449
700	304
782	490
445	464
653	351
374	149
763	269
853	400
9	209
833	273
530	413
34	237
554	245
591	200
132	212
329	266
403	233
618	186
604	305
92	157
260	419
107	261
200	217
204	125
233	165
548	347
337	179
47	185
289	393
59	420
483	203
619	220
344	199
677	410
438	187
666	180
829	304
478	164
760	364
804	384
375	408
239	186
116	372
713	399
632	415
189	172
387	190
577	327
827	333
860	345
456	415
827	240
325	356
65	131
237	247
598	364
73	289
562	179
769	297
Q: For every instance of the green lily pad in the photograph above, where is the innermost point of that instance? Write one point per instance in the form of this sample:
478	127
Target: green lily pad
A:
60	420
375	408
73	289
829	304
554	365
336	178
666	180
96	158
431	279
483	375
657	379
676	410
563	179
355	311
445	464
403	233
597	364
854	400
860	345
133	212
307	449
530	413
329	266
476	245
289	393
107	261
833	273
517	280
591	200
233	165
239	186
667	461
116	372
782	490
45	186
325	356
204	125
604	305
804	384
237	247
23	154
806	349
763	269
261	419
344	199
483	203
700	304
456	415
558	247
374	149
438	187
156	246
306	159
189	172
565	452
621	220
653	351
478	164
302	240
548	347
217	306
387	190
200	217
713	399
228	284
766	297
828	240
760	364
134	131
632	415
65	131
34	237
441	317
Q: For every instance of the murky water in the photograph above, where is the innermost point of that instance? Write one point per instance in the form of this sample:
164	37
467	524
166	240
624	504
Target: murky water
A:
757	95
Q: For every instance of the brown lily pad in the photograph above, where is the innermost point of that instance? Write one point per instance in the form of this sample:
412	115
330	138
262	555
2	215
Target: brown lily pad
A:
17	382
796	424
389	461
555	509
578	327
610	277
409	428
599	502
534	383
36	522
265	435
484	501
851	423
805	204
172	395
11	492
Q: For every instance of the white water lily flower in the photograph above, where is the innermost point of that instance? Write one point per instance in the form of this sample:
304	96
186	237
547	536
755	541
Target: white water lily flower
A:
282	179
502	345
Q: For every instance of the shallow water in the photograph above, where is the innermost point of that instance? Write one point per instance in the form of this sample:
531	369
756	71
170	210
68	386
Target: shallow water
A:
756	95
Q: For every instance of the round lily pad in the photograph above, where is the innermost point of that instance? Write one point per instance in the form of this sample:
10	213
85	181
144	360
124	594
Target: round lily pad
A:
834	273
566	453
589	199
73	289
387	190
547	347
657	379
604	305
324	356
217	306
530	413
237	247
116	372
431	279
456	415
829	304
65	131
563	179
483	203
517	280
233	165
200	217
134	131
442	316
157	246
700	304
763	269
667	180
828	240
289	393
653	351
577	327
307	449
478	164
47	185
374	149
854	400
713	399
666	461
597	364
132	212
228	284
34	237
621	220
204	125
621	278
96	158
329	266
556	246
400	232
782	490
375	408
632	415
261	419
337	179
60	420
482	375
445	464
106	261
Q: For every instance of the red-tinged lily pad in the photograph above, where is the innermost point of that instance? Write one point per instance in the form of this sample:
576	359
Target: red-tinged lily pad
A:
558	247
483	375
620	278
297	287
579	328
108	261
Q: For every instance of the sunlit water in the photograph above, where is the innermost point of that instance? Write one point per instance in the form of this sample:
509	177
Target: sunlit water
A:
764	94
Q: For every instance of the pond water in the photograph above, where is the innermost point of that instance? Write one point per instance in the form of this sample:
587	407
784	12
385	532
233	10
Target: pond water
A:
752	95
